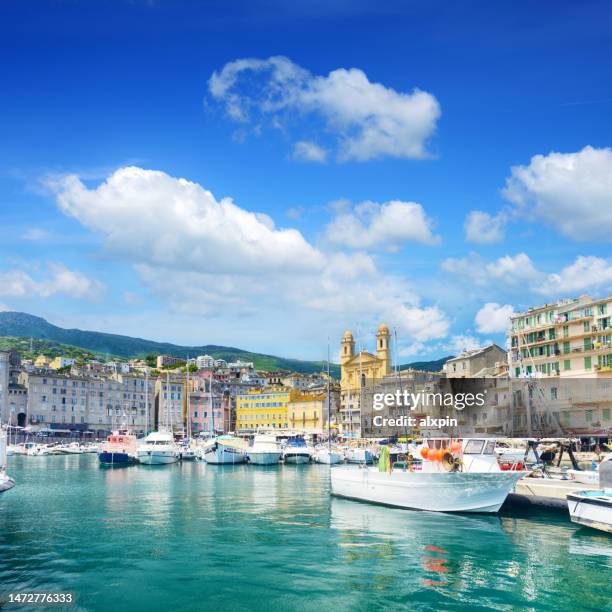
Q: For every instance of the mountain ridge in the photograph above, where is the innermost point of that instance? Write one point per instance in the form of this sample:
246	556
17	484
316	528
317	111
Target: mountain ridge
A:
24	325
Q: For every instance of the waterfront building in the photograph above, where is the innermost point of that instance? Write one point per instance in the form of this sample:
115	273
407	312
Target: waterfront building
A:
170	409
61	362
360	372
570	338
210	409
476	362
4	386
264	408
78	403
42	361
307	413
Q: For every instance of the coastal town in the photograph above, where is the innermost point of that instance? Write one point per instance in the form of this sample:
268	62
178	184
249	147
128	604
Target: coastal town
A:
564	349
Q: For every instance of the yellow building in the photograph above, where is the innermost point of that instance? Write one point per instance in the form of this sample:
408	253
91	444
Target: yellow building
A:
263	409
308	413
359	371
42	361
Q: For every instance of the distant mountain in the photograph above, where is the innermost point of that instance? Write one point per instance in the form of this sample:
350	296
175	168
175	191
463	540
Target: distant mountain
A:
23	325
427	366
16	328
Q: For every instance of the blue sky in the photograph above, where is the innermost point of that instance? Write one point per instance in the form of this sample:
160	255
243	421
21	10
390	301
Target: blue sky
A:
486	125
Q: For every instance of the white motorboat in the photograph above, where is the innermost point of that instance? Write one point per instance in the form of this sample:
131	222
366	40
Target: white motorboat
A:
158	448
32	449
328	456
460	476
590	477
359	455
187	453
296	451
265	450
594	508
225	450
6	482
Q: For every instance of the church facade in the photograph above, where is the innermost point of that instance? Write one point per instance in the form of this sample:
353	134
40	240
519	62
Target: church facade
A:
359	372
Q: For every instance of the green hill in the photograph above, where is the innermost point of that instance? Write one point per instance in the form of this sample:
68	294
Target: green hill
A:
18	329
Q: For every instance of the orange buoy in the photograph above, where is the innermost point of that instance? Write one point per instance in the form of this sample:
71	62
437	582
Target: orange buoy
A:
456	447
441	454
425	452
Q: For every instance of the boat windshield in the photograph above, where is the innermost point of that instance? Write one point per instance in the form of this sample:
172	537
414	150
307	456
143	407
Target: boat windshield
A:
473	447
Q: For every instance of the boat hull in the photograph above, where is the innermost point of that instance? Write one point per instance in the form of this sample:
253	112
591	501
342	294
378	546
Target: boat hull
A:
224	455
329	458
435	492
157	457
264	457
296	457
6	483
591	510
118	458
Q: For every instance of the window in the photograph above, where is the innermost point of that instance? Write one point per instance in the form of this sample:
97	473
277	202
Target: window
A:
566	347
588	416
566	364
553	393
587	363
565	331
586	326
605	414
474	447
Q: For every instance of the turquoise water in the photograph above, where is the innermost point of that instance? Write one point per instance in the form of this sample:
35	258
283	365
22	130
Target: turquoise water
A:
194	537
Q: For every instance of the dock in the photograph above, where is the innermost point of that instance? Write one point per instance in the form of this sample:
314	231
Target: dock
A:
545	492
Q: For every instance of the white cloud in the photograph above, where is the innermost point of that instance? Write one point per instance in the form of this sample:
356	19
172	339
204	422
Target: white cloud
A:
483	228
389	225
367	119
509	270
493	318
583	274
212	258
305	150
131	298
61	280
5	308
571	192
156	219
462	342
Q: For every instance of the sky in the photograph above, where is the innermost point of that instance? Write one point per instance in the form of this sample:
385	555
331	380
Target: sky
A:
266	175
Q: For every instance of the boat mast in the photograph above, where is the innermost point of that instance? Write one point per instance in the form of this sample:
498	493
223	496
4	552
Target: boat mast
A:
328	403
147	401
210	404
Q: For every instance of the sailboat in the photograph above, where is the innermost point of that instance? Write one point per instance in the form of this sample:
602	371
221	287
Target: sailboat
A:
6	482
326	454
222	450
158	448
185	449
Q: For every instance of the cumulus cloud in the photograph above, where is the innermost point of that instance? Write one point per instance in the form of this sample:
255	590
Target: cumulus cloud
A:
570	192
462	342
60	280
483	228
307	151
388	225
157	219
367	120
209	257
509	270
493	318
35	233
585	273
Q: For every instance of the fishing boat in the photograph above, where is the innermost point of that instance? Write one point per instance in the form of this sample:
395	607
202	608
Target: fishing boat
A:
454	476
296	451
225	450
265	450
186	452
120	448
594	508
6	482
158	448
590	477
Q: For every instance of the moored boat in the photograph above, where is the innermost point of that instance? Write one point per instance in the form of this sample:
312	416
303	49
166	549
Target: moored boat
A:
265	450
359	455
594	508
328	456
225	450
462	476
6	482
296	451
120	449
158	448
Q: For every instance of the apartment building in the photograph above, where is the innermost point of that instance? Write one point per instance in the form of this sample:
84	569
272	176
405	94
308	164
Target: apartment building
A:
164	361
4	386
263	409
170	406
571	338
476	363
66	402
307	413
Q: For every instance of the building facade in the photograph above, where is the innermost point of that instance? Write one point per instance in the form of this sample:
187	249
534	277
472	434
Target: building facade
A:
360	372
4	386
263	409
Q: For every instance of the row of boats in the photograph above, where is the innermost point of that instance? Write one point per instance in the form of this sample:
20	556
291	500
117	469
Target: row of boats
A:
160	448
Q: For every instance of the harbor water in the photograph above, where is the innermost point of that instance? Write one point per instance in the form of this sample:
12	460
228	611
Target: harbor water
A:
193	536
